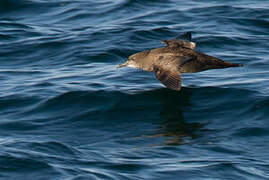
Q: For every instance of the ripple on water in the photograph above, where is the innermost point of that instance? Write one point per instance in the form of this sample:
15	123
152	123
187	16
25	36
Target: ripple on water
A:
25	168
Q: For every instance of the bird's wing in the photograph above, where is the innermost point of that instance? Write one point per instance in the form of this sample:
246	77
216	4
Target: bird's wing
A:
174	61
182	41
186	60
168	70
177	43
171	79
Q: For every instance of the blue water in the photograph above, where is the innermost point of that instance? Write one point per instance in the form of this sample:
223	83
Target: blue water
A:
67	113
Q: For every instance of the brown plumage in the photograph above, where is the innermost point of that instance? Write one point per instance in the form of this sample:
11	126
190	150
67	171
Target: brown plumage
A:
178	57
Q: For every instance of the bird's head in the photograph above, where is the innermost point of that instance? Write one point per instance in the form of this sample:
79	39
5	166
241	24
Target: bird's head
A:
136	60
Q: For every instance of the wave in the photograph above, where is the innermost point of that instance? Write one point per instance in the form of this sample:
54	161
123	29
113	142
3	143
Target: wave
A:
24	166
86	107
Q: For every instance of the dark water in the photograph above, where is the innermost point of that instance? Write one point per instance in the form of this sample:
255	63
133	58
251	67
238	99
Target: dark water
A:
68	113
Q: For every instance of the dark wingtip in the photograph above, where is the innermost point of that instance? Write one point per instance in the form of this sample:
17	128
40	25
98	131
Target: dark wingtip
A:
185	36
233	65
238	65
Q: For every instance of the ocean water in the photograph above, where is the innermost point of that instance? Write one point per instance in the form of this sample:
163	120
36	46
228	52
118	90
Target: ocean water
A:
67	113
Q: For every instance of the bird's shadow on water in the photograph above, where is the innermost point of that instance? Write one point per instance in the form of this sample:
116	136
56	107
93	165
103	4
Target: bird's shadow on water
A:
185	115
173	126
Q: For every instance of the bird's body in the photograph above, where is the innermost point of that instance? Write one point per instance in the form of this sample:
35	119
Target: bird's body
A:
178	57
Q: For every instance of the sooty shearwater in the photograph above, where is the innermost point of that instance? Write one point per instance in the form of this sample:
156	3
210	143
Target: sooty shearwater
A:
179	56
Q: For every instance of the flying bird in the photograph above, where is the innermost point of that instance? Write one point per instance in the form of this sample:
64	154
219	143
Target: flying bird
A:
179	56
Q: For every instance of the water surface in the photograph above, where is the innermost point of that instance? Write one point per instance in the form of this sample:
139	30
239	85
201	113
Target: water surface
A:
68	113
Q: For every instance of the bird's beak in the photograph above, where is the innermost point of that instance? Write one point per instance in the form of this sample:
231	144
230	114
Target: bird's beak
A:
122	65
